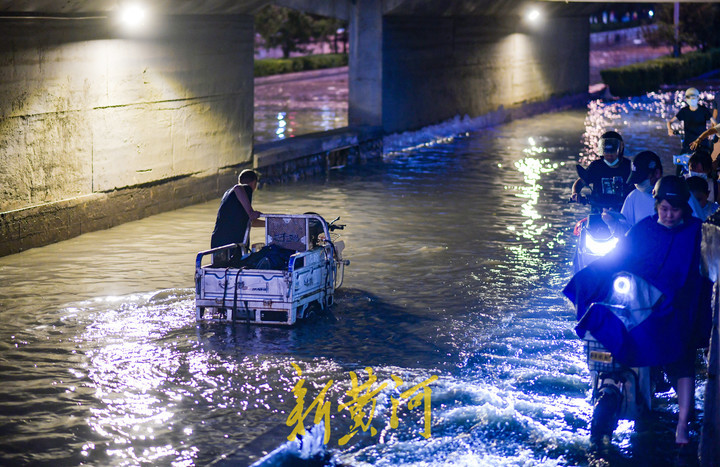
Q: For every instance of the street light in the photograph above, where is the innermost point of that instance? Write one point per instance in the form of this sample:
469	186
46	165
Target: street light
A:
133	16
533	15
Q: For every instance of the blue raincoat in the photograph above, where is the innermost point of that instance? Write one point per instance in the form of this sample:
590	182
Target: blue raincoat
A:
669	260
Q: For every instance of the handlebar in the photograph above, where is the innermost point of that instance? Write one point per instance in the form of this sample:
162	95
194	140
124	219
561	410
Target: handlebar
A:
580	200
332	226
595	202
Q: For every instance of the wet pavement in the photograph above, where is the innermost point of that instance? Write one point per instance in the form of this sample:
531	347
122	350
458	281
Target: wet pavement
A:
298	103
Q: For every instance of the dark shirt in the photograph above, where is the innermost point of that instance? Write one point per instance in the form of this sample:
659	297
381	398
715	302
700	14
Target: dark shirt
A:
694	122
609	184
232	220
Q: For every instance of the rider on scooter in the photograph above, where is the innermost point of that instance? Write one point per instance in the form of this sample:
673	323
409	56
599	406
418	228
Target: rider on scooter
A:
694	117
607	176
663	251
646	171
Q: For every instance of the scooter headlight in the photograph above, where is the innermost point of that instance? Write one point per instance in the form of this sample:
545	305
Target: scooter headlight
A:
622	285
631	298
600	247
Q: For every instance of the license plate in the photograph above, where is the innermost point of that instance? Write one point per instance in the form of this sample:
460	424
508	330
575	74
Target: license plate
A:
603	357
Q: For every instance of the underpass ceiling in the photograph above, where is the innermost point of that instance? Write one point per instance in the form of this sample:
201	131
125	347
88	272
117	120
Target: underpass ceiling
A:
482	7
336	8
91	7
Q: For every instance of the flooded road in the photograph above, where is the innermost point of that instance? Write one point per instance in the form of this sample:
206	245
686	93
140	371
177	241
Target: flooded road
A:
458	254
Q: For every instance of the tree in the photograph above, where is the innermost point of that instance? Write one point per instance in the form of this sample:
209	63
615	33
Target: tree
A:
281	27
325	30
698	25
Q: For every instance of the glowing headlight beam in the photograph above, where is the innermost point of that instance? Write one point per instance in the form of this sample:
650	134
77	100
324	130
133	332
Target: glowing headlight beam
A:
600	248
622	285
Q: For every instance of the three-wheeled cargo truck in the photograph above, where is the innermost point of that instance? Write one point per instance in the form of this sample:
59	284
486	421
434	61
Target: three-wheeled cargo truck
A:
294	273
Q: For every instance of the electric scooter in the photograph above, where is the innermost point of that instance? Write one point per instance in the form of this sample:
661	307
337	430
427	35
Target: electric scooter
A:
595	238
620	392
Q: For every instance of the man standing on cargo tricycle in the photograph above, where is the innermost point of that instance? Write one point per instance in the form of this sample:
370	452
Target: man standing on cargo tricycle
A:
234	214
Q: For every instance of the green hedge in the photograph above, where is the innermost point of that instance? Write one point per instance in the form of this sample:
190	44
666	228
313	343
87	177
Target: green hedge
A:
276	66
639	78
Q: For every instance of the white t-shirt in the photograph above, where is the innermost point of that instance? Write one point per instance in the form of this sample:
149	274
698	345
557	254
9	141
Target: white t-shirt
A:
637	206
710	209
697	211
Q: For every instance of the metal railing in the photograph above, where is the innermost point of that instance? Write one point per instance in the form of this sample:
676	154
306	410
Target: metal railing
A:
709	449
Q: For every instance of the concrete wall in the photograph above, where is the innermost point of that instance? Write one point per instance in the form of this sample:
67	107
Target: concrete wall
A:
84	109
434	68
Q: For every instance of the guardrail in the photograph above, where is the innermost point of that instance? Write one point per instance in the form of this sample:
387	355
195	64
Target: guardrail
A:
317	153
618	36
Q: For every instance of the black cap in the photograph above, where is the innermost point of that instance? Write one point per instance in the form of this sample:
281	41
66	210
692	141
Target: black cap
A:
611	134
673	189
643	164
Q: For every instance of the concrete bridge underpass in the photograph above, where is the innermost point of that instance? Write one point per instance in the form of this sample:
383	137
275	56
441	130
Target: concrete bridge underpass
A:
102	123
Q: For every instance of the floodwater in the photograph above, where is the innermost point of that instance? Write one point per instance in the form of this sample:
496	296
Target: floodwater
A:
458	250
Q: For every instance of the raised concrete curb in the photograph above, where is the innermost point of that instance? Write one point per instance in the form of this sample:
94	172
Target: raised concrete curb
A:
301	75
47	223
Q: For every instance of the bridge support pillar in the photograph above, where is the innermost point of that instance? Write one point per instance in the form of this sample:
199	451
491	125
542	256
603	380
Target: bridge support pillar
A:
435	68
99	126
366	63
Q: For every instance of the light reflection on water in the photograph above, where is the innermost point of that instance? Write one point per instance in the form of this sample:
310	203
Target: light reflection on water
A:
641	122
276	122
459	251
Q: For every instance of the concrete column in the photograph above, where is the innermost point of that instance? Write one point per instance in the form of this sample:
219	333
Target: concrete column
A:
366	64
437	67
